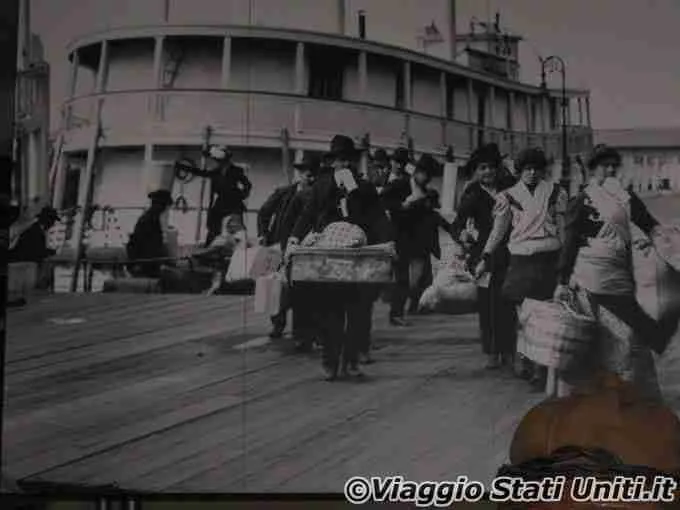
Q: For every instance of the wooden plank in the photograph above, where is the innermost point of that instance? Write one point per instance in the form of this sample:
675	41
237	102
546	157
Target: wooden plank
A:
149	412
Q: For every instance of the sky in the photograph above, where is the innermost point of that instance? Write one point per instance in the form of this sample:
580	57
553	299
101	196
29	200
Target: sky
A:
624	51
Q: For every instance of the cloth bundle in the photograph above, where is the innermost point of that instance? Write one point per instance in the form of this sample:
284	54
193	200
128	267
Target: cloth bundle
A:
453	287
341	235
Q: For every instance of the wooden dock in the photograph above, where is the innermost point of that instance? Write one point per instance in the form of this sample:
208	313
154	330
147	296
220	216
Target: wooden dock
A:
186	393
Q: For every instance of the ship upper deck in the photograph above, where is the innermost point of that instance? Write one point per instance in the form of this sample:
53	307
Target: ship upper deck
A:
348	43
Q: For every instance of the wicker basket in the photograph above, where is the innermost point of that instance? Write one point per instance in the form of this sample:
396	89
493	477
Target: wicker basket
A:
341	265
554	335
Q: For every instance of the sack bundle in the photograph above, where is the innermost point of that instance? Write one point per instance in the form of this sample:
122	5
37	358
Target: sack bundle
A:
666	240
657	284
453	288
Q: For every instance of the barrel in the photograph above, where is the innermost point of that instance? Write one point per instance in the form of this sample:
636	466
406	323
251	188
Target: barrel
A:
554	335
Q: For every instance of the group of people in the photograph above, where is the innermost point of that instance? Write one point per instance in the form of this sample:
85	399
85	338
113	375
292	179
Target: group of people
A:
528	240
392	206
536	243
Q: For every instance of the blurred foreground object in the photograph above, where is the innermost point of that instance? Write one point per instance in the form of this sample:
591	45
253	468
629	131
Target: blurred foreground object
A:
604	430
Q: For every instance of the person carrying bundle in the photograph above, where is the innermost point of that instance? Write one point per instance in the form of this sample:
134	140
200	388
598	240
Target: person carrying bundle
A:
477	204
275	221
344	314
597	253
530	216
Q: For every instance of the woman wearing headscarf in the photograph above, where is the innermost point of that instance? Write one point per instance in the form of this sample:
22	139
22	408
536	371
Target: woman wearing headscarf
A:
476	205
530	215
597	253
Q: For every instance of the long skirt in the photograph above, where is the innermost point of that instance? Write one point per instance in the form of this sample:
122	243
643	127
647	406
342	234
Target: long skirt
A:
532	277
496	313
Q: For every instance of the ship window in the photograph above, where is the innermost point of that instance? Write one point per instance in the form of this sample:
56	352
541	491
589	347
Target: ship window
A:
450	98
639	160
665	185
325	78
71	185
399	92
533	112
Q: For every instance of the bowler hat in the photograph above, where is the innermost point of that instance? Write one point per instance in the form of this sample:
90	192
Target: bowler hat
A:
161	196
380	156
428	165
310	163
602	153
48	213
401	155
343	147
531	157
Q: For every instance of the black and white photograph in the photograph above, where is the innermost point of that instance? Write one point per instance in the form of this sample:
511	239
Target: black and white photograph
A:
266	246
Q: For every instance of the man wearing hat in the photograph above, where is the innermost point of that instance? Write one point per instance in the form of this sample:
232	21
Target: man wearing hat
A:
400	160
229	187
275	221
344	315
147	241
380	169
29	244
412	206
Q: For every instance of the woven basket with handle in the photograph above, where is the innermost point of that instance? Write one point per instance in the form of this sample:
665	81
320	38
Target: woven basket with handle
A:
555	334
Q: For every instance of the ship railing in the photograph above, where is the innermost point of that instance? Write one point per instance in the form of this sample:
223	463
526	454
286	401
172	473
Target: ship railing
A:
107	230
179	116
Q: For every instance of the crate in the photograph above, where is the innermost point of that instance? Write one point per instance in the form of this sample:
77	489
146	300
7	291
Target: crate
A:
341	265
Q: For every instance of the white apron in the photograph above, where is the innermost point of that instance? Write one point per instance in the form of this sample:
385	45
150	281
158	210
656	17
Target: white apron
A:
604	266
534	222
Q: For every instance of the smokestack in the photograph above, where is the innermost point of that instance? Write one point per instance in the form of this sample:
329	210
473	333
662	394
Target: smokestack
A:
362	25
452	29
341	16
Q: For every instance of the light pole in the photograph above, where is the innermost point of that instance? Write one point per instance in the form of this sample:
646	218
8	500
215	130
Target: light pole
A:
547	65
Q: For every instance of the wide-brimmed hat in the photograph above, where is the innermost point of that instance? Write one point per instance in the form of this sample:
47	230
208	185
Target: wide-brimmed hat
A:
401	155
380	156
48	213
428	165
602	153
343	147
489	154
161	196
533	157
310	163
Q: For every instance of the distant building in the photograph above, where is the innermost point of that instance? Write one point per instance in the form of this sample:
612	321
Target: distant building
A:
651	157
32	113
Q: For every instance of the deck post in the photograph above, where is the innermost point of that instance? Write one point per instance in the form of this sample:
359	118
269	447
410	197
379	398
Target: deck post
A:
85	198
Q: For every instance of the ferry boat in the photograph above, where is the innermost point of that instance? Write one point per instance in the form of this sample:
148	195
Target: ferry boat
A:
161	92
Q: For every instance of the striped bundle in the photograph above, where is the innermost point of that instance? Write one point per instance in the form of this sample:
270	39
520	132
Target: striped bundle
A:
554	334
